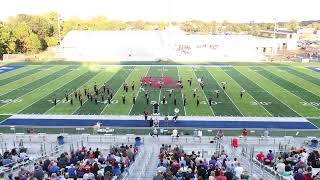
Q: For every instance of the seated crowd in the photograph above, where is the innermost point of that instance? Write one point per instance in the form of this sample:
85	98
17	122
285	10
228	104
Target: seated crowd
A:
84	164
296	164
9	158
175	164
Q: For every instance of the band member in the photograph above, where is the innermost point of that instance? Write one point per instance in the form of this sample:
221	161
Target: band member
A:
133	100
164	100
184	100
146	94
145	113
124	85
96	99
71	100
141	83
217	93
80	101
55	100
88	95
150	83
66	95
174	100
241	93
109	99
102	97
190	81
145	83
123	99
170	93
223	85
79	94
95	86
104	88
210	101
91	97
111	95
75	94
132	86
85	90
127	88
198	102
201	84
194	93
147	99
175	117
108	90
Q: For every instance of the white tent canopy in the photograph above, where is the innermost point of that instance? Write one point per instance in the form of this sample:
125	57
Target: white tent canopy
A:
152	45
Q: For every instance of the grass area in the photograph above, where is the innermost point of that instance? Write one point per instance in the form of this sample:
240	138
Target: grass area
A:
269	90
286	91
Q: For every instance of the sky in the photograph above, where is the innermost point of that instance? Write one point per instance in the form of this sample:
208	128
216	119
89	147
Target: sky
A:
174	10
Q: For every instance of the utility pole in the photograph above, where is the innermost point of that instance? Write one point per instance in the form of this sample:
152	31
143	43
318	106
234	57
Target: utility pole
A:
59	31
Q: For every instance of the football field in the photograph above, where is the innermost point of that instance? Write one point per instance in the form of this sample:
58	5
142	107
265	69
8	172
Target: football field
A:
268	91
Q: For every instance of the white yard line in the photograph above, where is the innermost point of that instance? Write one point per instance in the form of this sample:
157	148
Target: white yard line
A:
297	84
225	92
51	92
270	93
185	112
119	89
30	89
71	93
137	95
160	90
249	95
88	99
302	100
192	71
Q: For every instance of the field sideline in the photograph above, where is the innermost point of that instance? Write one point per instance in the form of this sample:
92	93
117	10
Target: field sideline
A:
269	91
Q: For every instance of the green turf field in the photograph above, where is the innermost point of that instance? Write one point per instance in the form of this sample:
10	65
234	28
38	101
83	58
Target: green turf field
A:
285	91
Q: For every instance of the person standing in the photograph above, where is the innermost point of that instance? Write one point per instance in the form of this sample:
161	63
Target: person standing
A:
198	102
109	99
80	101
123	99
133	100
132	86
71	100
210	101
66	95
184	100
164	100
194	93
55	100
96	99
166	121
241	93
174	100
145	113
147	99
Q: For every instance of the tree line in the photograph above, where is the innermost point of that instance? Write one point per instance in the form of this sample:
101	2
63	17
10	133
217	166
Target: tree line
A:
33	33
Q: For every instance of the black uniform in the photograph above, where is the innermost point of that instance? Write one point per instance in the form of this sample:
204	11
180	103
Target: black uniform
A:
133	100
210	101
217	94
123	99
111	95
109	100
81	102
127	88
241	94
194	94
71	101
108	91
55	101
164	100
175	101
96	99
198	102
132	87
147	100
184	101
102	97
67	96
104	88
85	91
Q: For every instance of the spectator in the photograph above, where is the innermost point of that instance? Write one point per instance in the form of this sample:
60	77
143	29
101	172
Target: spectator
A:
260	156
280	167
72	171
38	172
159	176
238	170
299	175
221	176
